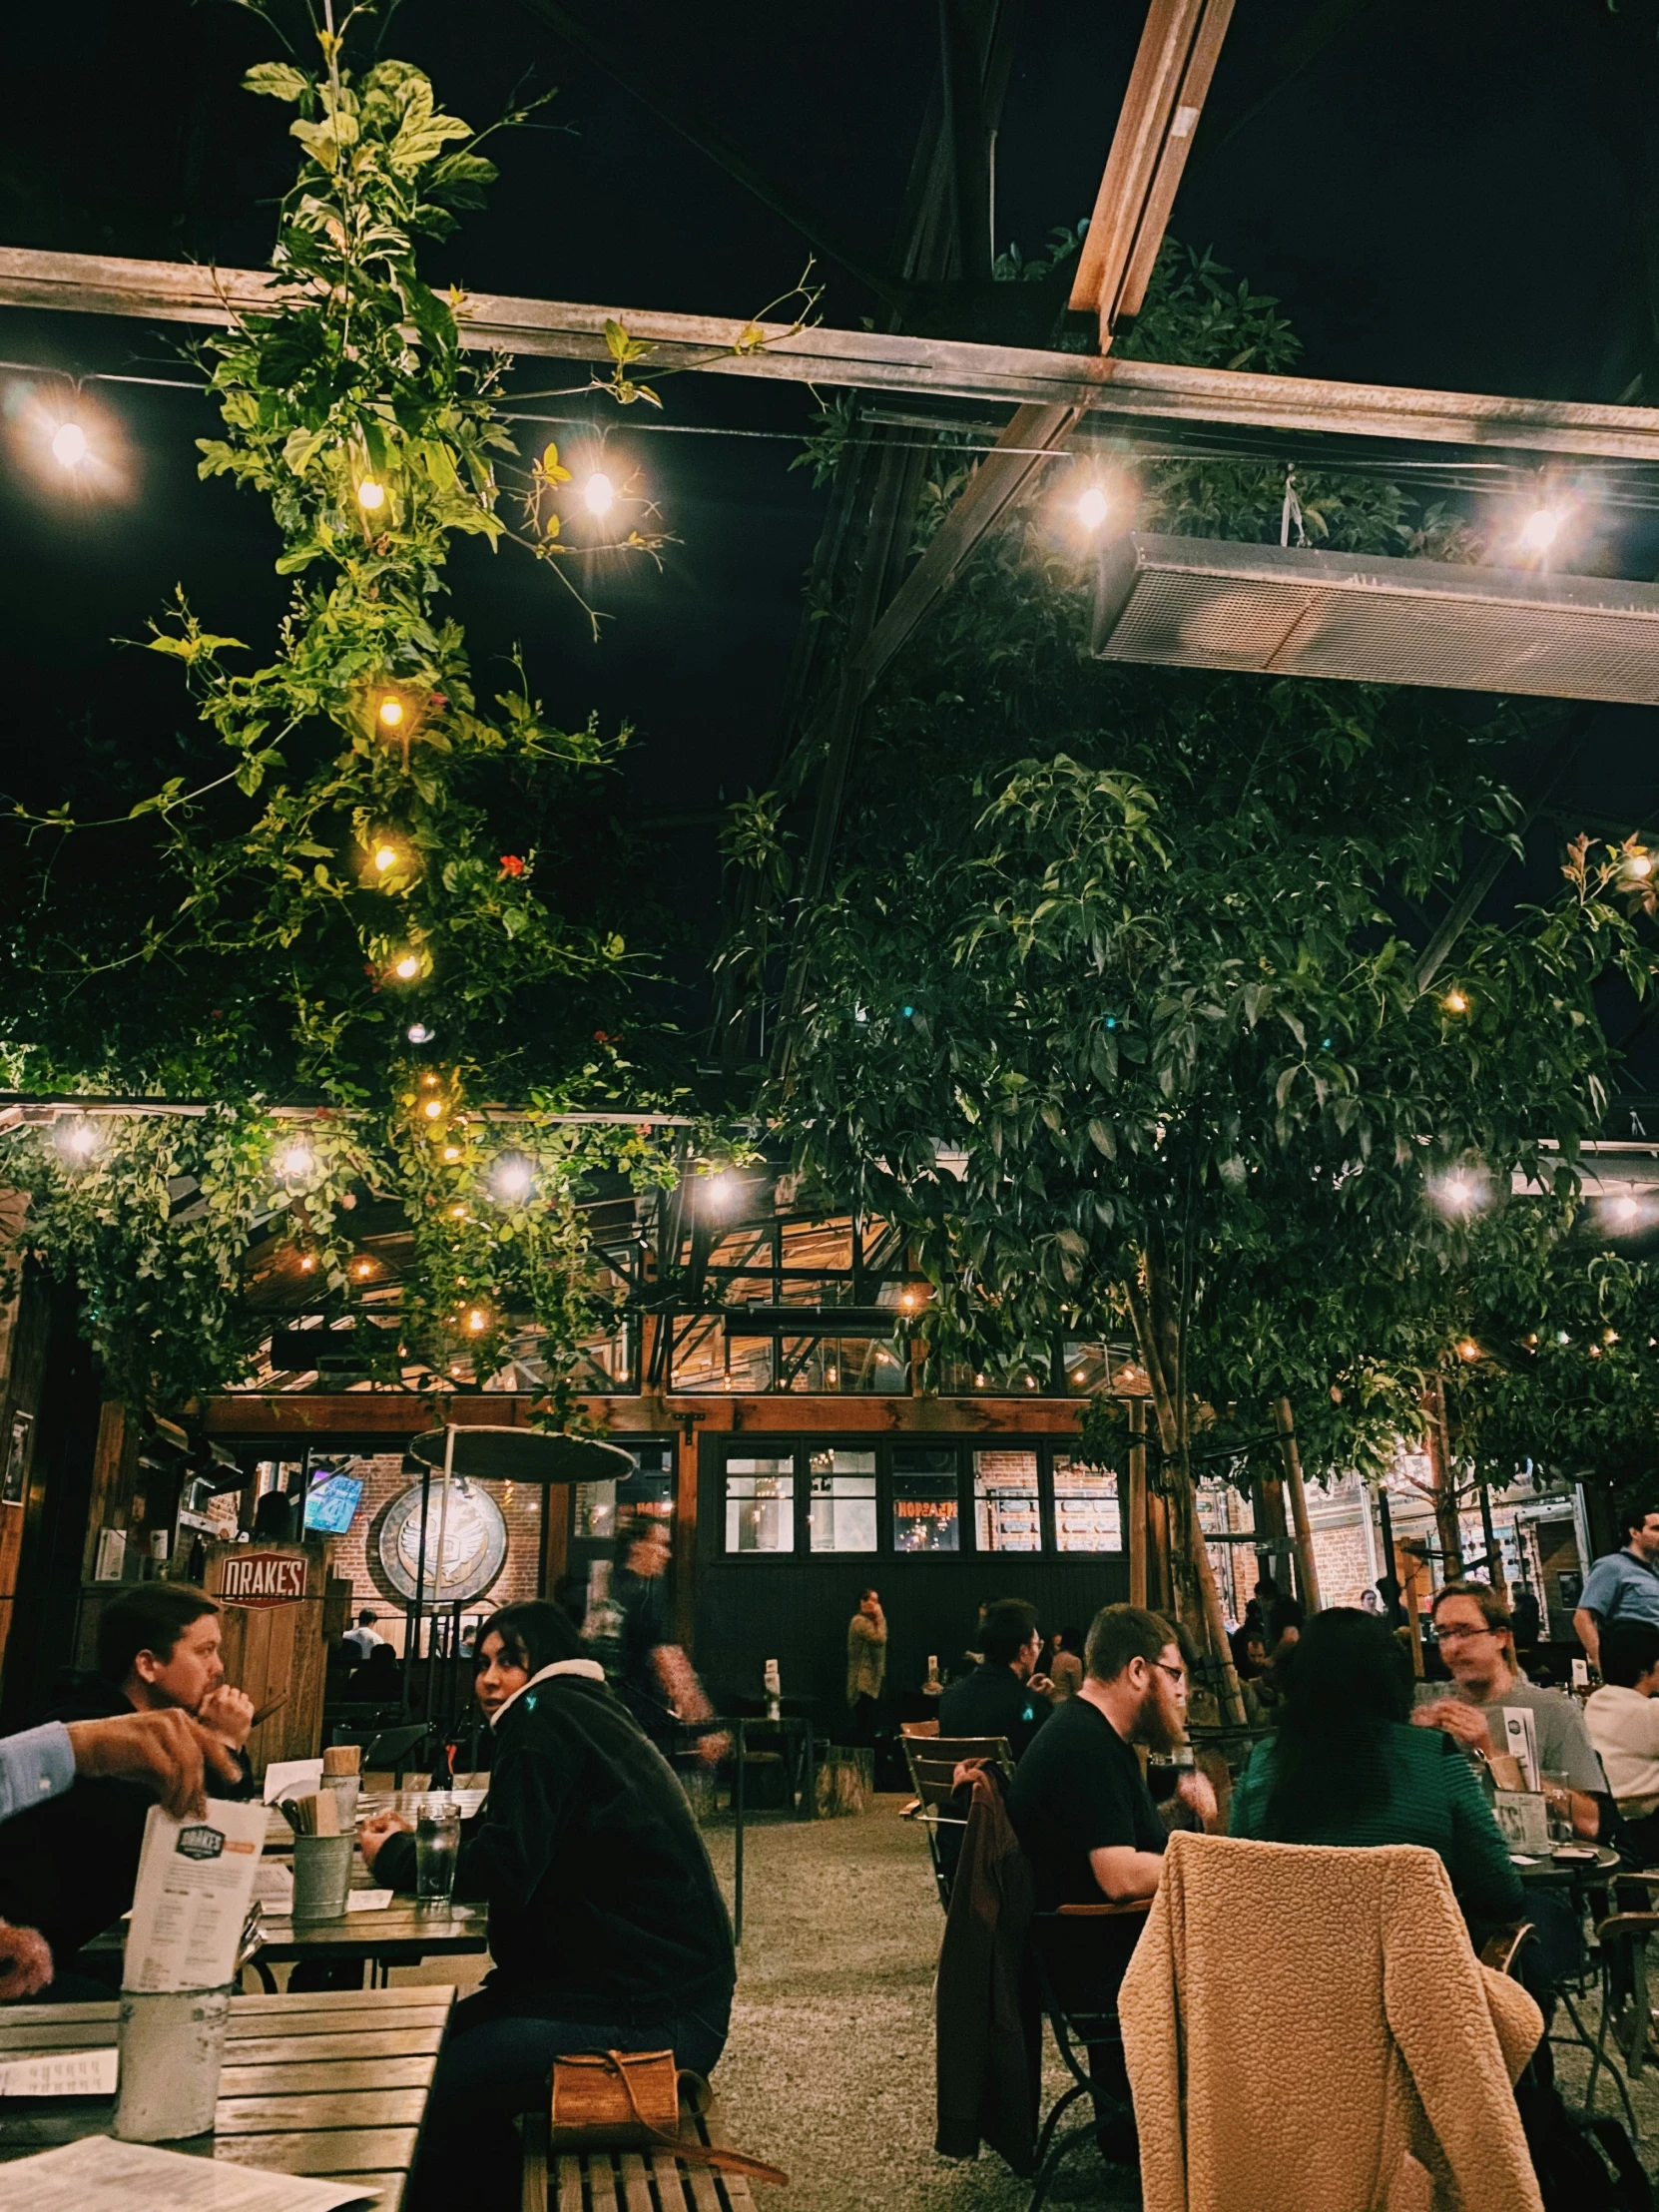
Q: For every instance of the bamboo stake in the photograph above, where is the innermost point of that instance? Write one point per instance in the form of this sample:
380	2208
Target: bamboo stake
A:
1305	1567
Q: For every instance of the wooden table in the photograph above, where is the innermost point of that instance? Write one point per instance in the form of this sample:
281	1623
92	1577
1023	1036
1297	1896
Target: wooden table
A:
334	2086
400	1934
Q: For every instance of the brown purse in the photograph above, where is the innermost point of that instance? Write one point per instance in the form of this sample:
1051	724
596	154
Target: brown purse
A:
630	2100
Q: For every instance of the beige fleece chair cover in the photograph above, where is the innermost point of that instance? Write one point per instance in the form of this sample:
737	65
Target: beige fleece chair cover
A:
1309	2029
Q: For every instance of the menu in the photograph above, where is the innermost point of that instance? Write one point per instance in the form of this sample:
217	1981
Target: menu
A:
194	1885
100	2175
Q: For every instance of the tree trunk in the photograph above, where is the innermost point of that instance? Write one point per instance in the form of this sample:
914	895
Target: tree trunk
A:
1134	1515
1158	1332
1306	1570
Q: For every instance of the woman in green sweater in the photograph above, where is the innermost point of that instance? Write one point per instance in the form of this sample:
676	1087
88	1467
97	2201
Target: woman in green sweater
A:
1345	1767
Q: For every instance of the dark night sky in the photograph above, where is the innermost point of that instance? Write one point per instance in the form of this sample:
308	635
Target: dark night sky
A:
1439	200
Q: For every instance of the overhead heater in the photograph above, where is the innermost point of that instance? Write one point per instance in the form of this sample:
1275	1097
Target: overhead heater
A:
1284	611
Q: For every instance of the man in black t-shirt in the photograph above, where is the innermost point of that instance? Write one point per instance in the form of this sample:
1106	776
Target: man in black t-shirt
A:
1086	1821
1004	1694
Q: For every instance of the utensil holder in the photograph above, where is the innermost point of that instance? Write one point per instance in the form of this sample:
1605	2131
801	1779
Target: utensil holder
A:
321	1876
172	2047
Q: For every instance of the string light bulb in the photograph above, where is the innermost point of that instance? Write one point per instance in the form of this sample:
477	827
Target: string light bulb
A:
513	1177
363	1269
370	495
1541	529
79	1139
296	1161
308	1264
385	857
406	967
418	1033
1455	1002
1468	1350
1093	509
599	494
451	1152
477	1321
68	445
1639	865
1624	1208
433	1109
390	714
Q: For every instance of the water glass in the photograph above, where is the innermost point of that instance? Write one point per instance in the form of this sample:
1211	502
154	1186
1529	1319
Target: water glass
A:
437	1845
1560	1819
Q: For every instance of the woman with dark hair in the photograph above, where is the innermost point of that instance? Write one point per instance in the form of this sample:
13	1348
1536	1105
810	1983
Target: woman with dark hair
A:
607	1926
1344	1766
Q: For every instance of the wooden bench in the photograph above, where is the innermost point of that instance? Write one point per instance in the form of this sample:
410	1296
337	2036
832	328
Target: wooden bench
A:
629	2180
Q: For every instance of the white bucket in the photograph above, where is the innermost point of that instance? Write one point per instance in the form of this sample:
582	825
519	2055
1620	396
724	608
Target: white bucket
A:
172	2047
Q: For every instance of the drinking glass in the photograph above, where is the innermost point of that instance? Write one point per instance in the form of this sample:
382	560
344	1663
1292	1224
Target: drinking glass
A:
1560	1820
438	1842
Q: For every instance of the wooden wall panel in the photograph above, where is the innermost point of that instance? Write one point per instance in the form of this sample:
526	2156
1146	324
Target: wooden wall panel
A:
274	1651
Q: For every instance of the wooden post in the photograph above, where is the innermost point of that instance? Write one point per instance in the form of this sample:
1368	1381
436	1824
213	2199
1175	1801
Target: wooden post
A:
1135	1513
1444	1482
1306	1570
685	1538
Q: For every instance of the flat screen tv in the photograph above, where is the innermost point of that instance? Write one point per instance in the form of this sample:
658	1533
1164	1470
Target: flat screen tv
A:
331	1503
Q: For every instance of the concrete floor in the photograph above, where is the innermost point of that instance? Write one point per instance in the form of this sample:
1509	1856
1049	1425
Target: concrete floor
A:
829	2069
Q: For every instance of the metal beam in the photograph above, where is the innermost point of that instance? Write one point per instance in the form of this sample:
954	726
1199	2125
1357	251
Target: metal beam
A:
1104	387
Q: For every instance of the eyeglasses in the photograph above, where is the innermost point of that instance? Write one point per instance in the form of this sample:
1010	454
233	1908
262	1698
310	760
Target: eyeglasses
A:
1177	1675
1455	1635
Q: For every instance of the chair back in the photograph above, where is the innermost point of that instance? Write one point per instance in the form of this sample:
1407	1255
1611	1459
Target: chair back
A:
934	1760
919	1728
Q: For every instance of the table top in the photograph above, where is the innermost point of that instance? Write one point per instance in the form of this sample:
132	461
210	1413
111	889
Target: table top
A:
1532	1866
280	1837
405	1924
334	2086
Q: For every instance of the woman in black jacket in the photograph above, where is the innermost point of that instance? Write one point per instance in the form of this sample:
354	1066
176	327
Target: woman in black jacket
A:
607	1926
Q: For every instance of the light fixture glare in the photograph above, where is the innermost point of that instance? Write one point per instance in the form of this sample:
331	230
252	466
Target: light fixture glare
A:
599	494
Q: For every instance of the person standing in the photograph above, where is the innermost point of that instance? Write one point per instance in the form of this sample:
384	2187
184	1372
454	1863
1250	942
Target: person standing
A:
1623	1586
653	1676
866	1667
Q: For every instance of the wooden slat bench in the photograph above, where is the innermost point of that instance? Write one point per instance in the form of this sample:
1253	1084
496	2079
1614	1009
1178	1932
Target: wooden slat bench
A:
629	2180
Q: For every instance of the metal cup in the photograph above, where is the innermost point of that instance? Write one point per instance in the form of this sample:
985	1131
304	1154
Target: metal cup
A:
172	2047
321	1876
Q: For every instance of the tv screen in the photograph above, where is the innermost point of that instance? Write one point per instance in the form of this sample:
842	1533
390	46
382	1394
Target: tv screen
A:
331	1503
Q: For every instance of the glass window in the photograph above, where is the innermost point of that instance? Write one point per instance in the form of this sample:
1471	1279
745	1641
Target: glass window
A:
760	1504
840	1515
650	1488
1087	1516
926	1516
1005	1510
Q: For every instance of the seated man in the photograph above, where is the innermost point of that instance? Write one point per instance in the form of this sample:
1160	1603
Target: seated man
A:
1004	1694
1084	1817
1623	1723
69	1868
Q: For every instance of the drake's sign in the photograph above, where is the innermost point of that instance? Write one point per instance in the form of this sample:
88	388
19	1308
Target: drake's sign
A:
261	1578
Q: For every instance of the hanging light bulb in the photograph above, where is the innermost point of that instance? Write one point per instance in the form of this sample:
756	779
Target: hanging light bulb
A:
406	967
477	1321
418	1033
306	1265
433	1109
1624	1209
1541	529
385	857
451	1152
68	445
1640	865
513	1177
599	494
390	713
79	1140
1093	509
1455	1002
370	495
363	1269
296	1161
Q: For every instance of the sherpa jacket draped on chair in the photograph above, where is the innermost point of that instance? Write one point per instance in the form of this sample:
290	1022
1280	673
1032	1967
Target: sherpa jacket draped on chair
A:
1385	2083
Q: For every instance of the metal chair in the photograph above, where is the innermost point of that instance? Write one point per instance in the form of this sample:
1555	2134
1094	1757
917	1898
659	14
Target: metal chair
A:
1063	1942
933	1761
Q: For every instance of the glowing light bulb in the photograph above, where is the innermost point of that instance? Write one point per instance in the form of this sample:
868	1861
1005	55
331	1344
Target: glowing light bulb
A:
513	1176
476	1320
385	856
433	1109
1468	1350
80	1140
407	968
1454	1002
599	494
296	1160
1541	529
451	1151
372	495
391	712
1639	865
69	444
363	1267
723	1189
1561	1336
1093	509
1624	1208
418	1033
306	1265
428	1081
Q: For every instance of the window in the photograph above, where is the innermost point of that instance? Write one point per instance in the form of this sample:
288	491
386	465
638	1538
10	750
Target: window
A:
925	1514
1087	1516
1006	1515
840	1514
760	1504
650	1488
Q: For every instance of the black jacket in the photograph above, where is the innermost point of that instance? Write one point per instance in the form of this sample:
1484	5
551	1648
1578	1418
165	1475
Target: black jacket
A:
69	1868
993	1701
603	1904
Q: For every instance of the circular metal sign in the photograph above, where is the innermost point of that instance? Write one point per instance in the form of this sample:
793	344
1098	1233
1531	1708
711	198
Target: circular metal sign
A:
474	1544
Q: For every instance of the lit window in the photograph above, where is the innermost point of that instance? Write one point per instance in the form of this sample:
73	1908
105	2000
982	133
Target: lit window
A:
760	1504
1087	1516
925	1514
840	1513
1006	1516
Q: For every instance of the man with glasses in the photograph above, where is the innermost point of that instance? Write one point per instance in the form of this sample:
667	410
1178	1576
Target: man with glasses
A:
1004	1694
1475	1638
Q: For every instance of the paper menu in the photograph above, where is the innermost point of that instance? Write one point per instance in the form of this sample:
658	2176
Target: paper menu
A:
293	1778
61	2073
1520	1736
98	2174
195	1884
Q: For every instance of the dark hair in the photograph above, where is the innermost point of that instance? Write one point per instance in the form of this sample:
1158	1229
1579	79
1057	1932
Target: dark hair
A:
570	1595
365	1618
863	1594
534	1635
1628	1650
151	1618
1637	1509
1346	1680
1122	1633
1011	1624
1493	1611
1069	1639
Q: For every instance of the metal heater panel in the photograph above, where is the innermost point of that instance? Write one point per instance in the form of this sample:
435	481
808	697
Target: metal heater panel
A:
1284	611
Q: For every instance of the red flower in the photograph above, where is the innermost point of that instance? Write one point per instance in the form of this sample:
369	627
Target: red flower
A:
511	865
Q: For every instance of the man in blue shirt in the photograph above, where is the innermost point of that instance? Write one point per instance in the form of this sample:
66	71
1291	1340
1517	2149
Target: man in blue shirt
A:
1625	1586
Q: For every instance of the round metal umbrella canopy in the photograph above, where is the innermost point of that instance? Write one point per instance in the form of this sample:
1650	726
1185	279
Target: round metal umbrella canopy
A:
487	1455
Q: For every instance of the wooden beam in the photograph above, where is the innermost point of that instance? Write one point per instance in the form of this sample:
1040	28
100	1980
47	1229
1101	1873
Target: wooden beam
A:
879	361
1174	64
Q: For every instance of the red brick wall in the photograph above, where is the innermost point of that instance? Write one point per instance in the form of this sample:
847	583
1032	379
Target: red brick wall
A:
383	1479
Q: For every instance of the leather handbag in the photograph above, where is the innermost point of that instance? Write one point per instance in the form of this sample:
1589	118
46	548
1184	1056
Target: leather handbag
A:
630	2100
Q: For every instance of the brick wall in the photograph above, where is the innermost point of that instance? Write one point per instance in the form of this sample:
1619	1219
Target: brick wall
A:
383	1479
